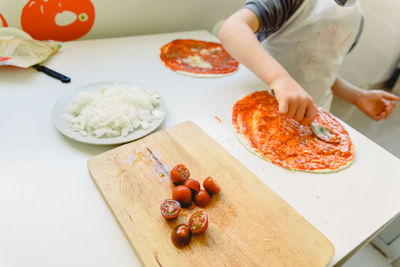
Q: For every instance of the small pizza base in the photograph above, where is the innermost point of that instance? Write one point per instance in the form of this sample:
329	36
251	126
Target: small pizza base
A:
197	75
205	75
246	144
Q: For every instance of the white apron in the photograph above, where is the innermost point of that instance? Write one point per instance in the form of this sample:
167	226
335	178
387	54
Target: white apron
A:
312	44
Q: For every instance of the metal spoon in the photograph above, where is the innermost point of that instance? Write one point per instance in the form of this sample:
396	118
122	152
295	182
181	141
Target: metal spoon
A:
320	131
325	134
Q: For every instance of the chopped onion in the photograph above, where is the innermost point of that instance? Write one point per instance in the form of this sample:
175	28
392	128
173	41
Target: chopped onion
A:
113	111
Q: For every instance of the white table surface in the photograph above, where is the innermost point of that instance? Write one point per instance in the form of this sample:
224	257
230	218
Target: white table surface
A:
51	213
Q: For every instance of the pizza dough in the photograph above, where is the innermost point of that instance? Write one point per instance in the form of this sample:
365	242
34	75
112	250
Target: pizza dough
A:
198	58
286	142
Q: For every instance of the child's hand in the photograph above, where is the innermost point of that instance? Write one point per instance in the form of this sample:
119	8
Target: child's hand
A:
377	104
294	101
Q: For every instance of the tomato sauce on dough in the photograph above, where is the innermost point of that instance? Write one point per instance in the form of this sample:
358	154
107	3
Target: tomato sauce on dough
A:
287	142
177	54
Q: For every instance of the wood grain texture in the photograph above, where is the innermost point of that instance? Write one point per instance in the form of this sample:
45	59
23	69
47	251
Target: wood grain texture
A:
249	224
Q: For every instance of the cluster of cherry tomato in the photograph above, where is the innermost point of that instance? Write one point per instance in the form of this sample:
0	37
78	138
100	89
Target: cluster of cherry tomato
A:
186	191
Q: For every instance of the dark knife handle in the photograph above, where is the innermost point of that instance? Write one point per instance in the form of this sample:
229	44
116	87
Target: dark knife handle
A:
52	73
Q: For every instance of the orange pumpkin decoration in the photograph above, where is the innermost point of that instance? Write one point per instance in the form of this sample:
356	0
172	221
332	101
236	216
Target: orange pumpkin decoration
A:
59	20
3	21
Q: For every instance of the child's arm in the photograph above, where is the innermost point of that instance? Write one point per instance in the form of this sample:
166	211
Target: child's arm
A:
377	104
238	38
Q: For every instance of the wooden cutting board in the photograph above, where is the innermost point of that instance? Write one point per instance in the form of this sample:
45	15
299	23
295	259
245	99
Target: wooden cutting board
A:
249	224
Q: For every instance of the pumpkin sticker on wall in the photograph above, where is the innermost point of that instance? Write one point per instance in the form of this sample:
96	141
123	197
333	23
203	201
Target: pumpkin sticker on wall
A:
58	20
3	21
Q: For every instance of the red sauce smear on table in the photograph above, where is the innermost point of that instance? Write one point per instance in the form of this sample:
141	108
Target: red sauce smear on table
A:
218	119
287	142
4	58
174	53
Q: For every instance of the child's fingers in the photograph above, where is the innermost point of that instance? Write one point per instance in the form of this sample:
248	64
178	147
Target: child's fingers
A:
389	106
292	110
385	112
283	107
311	112
300	112
389	96
390	109
383	115
380	116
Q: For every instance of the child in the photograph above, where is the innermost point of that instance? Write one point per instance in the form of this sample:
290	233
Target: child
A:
303	44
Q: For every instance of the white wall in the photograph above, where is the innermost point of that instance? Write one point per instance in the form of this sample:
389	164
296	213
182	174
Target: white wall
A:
375	56
136	17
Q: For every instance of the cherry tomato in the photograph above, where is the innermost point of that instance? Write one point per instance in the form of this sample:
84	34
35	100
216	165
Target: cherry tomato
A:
202	198
198	222
179	174
183	195
193	185
210	185
181	235
170	209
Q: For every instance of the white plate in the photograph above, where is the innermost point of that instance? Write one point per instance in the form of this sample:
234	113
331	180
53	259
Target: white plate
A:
64	126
